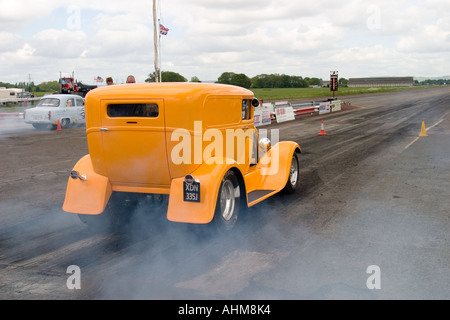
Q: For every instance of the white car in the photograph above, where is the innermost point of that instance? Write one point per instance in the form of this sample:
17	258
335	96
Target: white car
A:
67	108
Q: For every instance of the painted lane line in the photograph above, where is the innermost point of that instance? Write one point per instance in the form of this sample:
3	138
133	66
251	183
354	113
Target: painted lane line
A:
410	144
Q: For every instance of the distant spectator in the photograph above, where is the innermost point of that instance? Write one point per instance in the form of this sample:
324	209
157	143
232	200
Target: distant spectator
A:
109	81
131	79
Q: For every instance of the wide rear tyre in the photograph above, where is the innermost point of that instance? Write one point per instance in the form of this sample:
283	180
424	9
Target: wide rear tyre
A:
116	215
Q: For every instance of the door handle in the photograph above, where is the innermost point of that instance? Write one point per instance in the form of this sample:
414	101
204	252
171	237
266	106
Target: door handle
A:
104	129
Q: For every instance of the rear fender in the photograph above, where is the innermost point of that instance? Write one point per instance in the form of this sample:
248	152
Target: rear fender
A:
90	196
210	177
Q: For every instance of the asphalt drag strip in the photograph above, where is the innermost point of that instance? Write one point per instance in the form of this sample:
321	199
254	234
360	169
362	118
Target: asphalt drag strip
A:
369	221
396	218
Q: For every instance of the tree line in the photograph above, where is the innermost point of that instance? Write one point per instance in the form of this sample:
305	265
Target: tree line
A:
49	86
270	80
240	79
434	82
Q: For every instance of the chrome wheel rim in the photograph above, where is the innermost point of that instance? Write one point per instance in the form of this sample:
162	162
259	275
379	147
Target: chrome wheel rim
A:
293	175
227	200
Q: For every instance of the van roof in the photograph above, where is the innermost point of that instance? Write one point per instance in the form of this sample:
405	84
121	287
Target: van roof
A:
168	89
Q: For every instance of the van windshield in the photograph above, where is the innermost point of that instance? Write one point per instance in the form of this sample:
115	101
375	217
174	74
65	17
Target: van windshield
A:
48	102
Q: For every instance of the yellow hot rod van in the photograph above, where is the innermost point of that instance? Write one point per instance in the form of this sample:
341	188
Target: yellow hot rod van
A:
193	144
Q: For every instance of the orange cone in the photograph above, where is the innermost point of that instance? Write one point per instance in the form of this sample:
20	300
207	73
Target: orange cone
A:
58	126
322	130
423	132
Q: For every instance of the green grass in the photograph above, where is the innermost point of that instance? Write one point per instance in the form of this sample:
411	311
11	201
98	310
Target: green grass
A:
40	94
302	93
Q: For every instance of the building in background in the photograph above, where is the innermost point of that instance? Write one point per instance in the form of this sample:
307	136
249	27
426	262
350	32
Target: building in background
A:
381	82
6	93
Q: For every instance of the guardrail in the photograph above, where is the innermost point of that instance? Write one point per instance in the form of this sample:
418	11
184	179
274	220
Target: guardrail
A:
11	115
303	104
307	107
305	110
14	100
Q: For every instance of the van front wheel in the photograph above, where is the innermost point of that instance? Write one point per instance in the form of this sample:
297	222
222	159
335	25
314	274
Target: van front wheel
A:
292	182
228	202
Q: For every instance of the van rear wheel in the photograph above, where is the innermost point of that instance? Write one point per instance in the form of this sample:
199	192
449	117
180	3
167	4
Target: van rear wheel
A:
228	202
116	215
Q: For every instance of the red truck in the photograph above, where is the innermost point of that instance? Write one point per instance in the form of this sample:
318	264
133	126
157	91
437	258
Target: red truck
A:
69	85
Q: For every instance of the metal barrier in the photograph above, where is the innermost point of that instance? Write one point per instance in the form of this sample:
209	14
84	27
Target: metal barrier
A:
10	115
310	107
306	110
16	100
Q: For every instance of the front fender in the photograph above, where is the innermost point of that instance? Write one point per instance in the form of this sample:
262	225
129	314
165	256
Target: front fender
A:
274	167
210	177
90	196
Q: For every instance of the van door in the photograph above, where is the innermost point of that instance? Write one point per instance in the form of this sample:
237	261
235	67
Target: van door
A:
134	146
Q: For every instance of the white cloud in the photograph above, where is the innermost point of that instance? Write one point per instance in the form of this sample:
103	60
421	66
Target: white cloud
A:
119	35
207	38
10	41
15	15
54	44
431	38
22	55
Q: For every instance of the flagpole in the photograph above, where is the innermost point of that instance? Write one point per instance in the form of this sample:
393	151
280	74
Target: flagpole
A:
159	48
155	44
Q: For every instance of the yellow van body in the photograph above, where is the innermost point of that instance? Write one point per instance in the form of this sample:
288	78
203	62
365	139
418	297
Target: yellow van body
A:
164	138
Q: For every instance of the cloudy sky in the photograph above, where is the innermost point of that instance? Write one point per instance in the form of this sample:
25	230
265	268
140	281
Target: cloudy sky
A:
40	39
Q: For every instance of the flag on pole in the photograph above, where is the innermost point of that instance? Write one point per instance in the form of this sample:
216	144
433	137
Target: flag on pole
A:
98	79
163	30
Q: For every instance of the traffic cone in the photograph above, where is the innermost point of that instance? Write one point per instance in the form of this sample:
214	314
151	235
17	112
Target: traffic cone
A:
322	130
423	132
58	126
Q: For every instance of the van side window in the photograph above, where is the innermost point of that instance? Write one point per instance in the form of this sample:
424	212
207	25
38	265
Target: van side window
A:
140	110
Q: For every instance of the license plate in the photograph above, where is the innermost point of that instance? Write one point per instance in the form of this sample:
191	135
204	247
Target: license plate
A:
191	191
